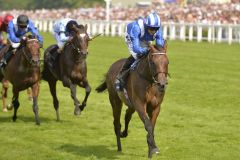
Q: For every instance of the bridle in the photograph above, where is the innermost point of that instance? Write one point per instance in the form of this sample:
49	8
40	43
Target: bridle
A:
76	48
153	75
30	59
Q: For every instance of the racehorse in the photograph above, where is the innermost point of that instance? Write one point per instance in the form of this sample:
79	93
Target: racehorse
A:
70	67
23	71
144	92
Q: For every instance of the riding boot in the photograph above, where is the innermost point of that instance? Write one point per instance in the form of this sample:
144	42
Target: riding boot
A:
7	56
123	74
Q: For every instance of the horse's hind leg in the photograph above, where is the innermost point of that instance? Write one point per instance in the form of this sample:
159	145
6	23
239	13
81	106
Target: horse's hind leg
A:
116	108
88	91
15	103
73	89
35	91
128	117
30	94
52	86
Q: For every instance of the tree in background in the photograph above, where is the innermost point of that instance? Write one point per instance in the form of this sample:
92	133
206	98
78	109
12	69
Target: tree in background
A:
48	4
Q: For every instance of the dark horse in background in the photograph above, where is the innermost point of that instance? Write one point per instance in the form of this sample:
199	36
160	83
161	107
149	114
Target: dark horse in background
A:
145	90
23	71
70	67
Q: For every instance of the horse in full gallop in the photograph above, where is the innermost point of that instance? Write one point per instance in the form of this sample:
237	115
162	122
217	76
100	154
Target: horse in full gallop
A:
23	71
70	67
144	92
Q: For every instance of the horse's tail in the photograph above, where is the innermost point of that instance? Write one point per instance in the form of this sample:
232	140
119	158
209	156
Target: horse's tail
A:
102	87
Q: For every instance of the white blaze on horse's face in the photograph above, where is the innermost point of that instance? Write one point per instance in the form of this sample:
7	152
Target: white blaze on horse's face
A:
82	35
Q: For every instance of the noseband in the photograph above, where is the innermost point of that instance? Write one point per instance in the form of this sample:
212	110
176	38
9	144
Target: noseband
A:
29	59
77	49
155	81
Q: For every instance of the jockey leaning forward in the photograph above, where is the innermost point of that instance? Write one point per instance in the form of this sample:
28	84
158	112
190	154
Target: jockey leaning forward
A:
139	34
16	30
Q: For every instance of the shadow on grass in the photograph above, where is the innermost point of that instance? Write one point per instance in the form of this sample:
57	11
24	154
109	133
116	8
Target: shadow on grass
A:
29	119
98	151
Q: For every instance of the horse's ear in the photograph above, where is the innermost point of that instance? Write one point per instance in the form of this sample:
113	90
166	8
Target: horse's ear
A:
75	28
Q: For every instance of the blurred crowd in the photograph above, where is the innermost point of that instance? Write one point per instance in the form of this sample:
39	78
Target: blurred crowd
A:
208	13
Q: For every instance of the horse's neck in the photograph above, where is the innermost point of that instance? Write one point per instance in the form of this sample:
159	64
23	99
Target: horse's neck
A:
21	56
69	52
143	69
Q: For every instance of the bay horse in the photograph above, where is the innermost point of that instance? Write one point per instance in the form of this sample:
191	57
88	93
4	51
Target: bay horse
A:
70	67
144	92
23	71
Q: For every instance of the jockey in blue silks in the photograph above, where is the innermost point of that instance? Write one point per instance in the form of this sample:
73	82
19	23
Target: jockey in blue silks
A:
139	34
16	30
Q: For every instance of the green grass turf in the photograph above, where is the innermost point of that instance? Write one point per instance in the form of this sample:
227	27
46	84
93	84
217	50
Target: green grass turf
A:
200	116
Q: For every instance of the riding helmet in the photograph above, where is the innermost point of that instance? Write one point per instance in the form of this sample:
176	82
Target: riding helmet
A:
22	20
70	25
153	21
8	18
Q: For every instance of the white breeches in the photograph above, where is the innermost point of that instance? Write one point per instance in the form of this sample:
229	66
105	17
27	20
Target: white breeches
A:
14	45
59	42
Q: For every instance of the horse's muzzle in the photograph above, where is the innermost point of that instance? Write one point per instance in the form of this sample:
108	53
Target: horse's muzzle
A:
35	62
162	87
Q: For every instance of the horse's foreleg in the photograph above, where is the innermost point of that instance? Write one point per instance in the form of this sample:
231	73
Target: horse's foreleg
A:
152	148
52	86
153	116
73	89
87	91
15	103
128	117
35	92
5	85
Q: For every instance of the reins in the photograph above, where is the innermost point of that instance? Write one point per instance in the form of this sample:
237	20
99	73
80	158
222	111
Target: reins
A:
153	79
29	60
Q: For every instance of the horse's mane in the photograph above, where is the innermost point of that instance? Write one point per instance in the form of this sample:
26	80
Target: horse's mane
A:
81	26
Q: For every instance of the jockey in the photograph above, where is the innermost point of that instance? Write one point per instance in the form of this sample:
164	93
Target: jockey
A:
139	34
62	31
3	27
17	28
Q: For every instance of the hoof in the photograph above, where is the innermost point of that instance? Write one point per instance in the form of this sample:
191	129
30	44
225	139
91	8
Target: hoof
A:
10	106
14	119
5	110
38	123
81	107
153	151
123	134
77	112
